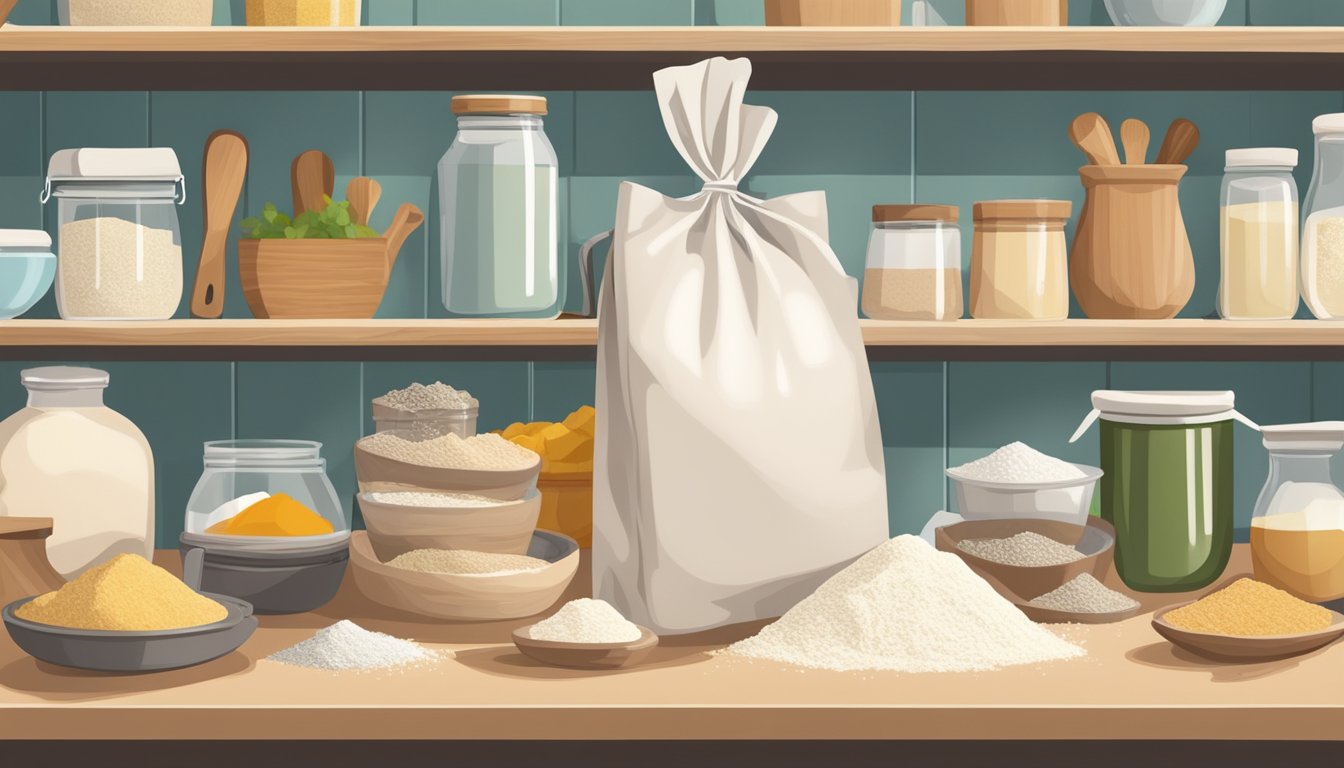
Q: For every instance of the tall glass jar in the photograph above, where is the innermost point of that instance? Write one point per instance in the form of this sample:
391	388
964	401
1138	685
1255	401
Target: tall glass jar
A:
1323	225
119	245
497	200
1259	235
238	472
914	263
1297	534
69	457
1019	260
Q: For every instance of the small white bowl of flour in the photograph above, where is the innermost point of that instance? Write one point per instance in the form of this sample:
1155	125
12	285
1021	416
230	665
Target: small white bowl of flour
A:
1017	481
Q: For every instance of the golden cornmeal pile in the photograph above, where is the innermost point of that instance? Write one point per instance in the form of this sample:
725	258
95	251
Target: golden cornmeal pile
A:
1249	608
128	594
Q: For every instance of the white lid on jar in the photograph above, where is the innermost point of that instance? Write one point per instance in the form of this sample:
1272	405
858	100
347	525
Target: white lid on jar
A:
95	164
1325	436
25	238
1262	157
63	378
1162	408
1331	123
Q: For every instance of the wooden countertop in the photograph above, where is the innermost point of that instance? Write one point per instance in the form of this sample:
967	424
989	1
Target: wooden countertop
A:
1132	685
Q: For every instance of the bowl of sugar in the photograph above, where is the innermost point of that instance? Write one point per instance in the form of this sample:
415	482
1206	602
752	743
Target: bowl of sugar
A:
1018	482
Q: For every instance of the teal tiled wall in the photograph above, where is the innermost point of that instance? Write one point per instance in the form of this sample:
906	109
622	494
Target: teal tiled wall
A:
860	147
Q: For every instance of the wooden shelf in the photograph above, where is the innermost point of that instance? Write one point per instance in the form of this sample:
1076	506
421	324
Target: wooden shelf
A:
520	339
566	58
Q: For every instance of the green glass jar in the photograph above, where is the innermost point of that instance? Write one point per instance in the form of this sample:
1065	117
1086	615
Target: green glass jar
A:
1168	485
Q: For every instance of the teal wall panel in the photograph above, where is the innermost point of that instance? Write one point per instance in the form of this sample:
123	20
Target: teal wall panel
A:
615	13
559	388
1295	12
395	13
913	417
493	12
22	165
730	13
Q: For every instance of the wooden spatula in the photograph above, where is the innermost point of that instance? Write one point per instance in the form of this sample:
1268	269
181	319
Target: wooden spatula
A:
313	175
363	194
225	167
1092	134
1181	139
1134	135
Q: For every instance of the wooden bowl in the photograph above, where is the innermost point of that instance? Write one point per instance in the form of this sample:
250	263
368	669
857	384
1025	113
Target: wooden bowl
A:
1096	541
1236	648
380	473
307	279
506	527
465	597
586	655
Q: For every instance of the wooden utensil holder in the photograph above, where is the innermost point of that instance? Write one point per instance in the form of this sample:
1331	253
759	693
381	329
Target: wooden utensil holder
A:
1131	256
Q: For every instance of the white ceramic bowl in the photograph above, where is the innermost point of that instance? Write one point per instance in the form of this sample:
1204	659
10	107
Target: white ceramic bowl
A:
1165	13
1066	501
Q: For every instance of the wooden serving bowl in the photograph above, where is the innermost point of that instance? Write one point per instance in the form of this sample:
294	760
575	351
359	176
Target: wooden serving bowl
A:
381	473
1244	649
586	655
505	528
1096	541
316	279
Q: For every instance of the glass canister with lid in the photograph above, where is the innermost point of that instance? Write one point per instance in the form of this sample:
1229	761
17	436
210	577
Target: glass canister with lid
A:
1297	534
1323	225
914	263
1019	260
119	245
269	525
1259	223
498	196
1167	487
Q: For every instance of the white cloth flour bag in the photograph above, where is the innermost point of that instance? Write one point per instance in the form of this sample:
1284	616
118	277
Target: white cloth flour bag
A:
738	460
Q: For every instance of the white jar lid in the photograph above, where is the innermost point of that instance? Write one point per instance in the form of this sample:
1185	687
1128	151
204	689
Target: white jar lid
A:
1121	403
1332	123
93	164
63	378
1327	436
25	238
1262	156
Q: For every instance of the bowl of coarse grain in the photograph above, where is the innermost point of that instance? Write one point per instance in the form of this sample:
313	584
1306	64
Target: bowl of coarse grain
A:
480	586
1031	557
399	522
484	465
1017	482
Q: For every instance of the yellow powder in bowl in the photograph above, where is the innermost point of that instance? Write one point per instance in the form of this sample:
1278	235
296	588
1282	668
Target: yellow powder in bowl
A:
276	515
128	594
1248	608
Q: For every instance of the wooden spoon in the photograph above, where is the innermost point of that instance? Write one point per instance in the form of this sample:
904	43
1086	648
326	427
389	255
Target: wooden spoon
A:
1092	134
363	194
24	568
313	175
225	167
406	221
1134	135
1181	139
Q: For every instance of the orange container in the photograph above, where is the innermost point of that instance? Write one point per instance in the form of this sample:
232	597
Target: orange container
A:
567	505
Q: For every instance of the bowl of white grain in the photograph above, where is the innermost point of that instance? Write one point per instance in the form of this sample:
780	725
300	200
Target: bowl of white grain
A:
401	521
484	465
1018	482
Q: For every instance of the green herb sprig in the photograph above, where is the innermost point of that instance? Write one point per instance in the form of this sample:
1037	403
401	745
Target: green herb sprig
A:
331	223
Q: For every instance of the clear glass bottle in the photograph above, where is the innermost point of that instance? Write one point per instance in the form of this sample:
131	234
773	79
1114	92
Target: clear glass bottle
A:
913	270
1019	260
1323	223
69	457
119	245
1297	533
497	199
1259	227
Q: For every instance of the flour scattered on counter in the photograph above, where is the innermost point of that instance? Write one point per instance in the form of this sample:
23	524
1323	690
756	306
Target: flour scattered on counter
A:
1019	463
586	621
347	646
905	607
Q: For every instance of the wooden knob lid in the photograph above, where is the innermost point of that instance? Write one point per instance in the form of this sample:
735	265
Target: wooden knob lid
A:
498	104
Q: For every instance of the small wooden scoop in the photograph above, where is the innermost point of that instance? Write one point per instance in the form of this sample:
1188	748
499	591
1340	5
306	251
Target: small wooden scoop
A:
225	169
1134	135
1092	134
24	568
363	194
313	176
1181	140
586	655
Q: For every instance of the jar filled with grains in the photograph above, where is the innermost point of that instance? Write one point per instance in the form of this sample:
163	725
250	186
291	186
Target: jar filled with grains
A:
1019	260
119	253
1323	229
914	263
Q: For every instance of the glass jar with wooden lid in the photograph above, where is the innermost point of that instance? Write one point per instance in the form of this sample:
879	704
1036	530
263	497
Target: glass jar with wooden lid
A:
913	270
1019	260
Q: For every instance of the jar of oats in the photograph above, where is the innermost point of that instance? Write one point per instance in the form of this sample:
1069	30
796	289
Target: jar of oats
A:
1019	260
119	245
913	270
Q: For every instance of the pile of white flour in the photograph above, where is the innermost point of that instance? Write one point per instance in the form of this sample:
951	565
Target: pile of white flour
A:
1019	463
905	607
346	645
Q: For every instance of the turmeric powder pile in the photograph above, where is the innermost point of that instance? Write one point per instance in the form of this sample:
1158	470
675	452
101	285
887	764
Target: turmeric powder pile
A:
1249	608
276	515
127	593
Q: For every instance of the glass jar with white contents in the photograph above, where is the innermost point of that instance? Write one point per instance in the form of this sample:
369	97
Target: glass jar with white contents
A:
913	270
1323	227
1259	235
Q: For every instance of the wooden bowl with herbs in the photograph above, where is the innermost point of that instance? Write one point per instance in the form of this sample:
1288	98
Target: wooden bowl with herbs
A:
321	264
